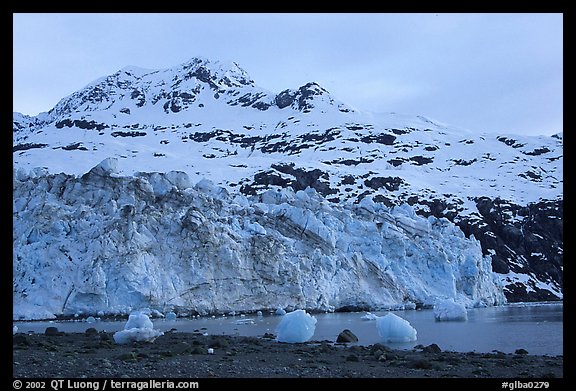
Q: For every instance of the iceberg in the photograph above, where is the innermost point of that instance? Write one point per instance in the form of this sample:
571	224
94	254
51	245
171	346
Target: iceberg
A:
369	316
295	327
171	316
245	321
138	320
449	310
393	328
139	328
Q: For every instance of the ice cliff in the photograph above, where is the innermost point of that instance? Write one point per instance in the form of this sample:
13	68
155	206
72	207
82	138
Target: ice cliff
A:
111	243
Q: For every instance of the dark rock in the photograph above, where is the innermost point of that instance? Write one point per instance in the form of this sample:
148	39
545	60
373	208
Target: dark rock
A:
537	151
91	331
105	337
128	356
181	348
348	180
432	348
268	336
383	138
306	178
390	183
421	160
400	131
250	340
82	124
346	336
26	146
396	161
218	342
510	142
462	162
420	364
198	350
52	331
353	308
284	99
521	239
352	357
20	339
305	96
132	133
350	162
379	348
521	351
74	146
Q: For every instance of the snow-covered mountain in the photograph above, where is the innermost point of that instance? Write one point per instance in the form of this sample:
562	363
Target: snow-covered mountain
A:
209	120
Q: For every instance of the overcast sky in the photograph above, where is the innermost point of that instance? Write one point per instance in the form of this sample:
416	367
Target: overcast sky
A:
483	72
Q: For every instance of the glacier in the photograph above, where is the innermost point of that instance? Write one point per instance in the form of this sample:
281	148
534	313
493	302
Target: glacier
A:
107	243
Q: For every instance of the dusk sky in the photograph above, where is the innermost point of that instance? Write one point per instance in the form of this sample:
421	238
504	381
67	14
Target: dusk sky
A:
483	72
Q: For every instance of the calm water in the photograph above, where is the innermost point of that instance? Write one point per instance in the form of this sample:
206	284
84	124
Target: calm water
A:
538	328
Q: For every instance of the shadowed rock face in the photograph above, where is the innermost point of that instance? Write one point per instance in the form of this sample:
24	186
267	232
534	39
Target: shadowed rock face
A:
523	240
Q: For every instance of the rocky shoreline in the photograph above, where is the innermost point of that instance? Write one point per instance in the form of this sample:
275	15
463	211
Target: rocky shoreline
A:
189	355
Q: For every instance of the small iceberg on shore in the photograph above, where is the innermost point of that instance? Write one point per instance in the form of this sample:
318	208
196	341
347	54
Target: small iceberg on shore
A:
139	327
296	327
393	328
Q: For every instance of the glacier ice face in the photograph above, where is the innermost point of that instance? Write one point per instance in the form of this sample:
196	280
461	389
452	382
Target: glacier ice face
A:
448	310
107	243
296	327
393	328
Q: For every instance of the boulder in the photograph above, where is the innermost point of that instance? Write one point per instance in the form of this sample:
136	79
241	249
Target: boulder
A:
346	336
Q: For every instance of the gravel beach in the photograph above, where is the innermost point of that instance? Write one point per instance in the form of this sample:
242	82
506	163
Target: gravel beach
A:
188	355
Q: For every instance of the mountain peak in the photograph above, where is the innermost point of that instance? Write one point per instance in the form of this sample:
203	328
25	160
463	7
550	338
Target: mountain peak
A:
215	71
196	84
